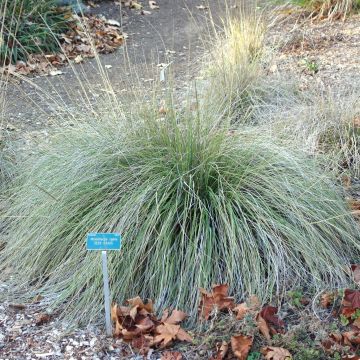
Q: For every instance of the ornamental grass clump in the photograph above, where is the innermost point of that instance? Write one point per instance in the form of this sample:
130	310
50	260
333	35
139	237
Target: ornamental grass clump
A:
320	122
196	204
30	27
233	65
6	167
332	9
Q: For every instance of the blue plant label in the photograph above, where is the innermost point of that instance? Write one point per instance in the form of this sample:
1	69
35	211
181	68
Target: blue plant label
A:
103	241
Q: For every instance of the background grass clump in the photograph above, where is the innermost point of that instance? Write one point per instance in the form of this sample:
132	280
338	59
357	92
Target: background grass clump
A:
6	166
322	123
30	27
333	9
196	204
233	65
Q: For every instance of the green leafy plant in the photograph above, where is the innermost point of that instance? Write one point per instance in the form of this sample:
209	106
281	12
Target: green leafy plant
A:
311	65
296	297
356	314
197	203
344	320
307	354
254	355
30	26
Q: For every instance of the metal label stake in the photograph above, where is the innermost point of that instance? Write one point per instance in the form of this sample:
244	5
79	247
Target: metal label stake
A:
104	242
106	294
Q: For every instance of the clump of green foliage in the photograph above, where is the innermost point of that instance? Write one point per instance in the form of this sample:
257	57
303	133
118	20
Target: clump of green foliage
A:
30	27
197	203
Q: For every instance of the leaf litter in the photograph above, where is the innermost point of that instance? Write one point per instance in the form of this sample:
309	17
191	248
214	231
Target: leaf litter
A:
248	330
86	37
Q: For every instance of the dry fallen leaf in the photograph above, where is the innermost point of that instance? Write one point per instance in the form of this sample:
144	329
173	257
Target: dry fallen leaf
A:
85	37
327	299
175	318
263	327
241	310
241	345
137	302
137	324
169	332
217	299
268	322
171	355
251	306
116	317
276	353
347	311
354	204
145	324
268	313
221	351
356	323
142	343
356	273
42	319
351	338
17	306
351	298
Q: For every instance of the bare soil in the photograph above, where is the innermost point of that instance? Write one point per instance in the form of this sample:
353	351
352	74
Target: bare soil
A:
173	34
